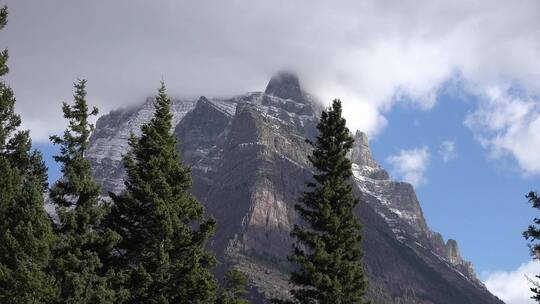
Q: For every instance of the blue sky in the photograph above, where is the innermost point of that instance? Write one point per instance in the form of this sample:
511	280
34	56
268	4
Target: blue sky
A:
472	198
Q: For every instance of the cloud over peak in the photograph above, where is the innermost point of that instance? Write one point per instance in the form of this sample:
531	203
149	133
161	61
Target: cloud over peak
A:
368	53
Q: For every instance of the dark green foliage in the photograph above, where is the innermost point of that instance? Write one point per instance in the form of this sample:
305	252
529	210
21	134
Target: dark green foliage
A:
9	121
234	289
25	228
328	251
81	240
162	226
533	234
4	69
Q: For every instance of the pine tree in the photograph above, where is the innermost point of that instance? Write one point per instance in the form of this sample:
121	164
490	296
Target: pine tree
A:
162	226
328	254
25	228
533	234
76	196
234	289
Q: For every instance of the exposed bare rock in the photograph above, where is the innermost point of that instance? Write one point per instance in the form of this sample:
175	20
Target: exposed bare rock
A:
286	85
365	164
249	162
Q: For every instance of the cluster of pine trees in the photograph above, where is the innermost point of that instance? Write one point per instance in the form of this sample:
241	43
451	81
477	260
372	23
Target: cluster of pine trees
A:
147	244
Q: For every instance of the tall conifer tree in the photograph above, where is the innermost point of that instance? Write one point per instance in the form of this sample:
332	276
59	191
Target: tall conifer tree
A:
162	226
25	228
76	196
328	254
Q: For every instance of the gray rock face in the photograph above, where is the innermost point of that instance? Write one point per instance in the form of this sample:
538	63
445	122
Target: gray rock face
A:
201	133
286	85
361	156
249	163
397	203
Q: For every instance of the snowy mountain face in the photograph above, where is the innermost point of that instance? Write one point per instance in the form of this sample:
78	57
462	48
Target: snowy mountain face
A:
110	139
249	163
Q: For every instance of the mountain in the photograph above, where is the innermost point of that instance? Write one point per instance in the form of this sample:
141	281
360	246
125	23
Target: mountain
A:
248	157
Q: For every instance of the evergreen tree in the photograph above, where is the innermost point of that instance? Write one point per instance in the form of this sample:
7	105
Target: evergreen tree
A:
234	289
76	196
25	228
162	226
533	234
328	251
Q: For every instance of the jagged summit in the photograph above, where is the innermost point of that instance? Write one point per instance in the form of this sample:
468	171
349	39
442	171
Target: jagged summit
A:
249	163
364	163
286	85
361	153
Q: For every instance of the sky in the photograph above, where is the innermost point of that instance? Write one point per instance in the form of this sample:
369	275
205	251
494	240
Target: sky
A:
448	91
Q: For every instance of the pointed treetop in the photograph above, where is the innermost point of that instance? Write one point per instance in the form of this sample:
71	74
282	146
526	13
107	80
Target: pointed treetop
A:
76	138
163	228
162	120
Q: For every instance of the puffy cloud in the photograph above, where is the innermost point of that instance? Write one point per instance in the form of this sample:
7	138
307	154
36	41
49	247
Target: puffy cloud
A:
508	124
411	165
447	150
371	53
513	287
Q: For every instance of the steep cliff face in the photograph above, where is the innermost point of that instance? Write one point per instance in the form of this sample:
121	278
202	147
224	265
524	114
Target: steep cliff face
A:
249	162
397	203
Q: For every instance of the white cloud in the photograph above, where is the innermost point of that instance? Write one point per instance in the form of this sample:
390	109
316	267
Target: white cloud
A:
508	124
411	165
513	287
447	150
370	53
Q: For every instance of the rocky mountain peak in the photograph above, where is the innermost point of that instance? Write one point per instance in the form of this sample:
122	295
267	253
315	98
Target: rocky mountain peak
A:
364	162
452	251
361	138
287	86
361	153
249	164
203	100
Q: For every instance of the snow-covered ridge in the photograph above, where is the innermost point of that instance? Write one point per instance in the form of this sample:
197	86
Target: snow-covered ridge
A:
397	203
394	201
109	141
